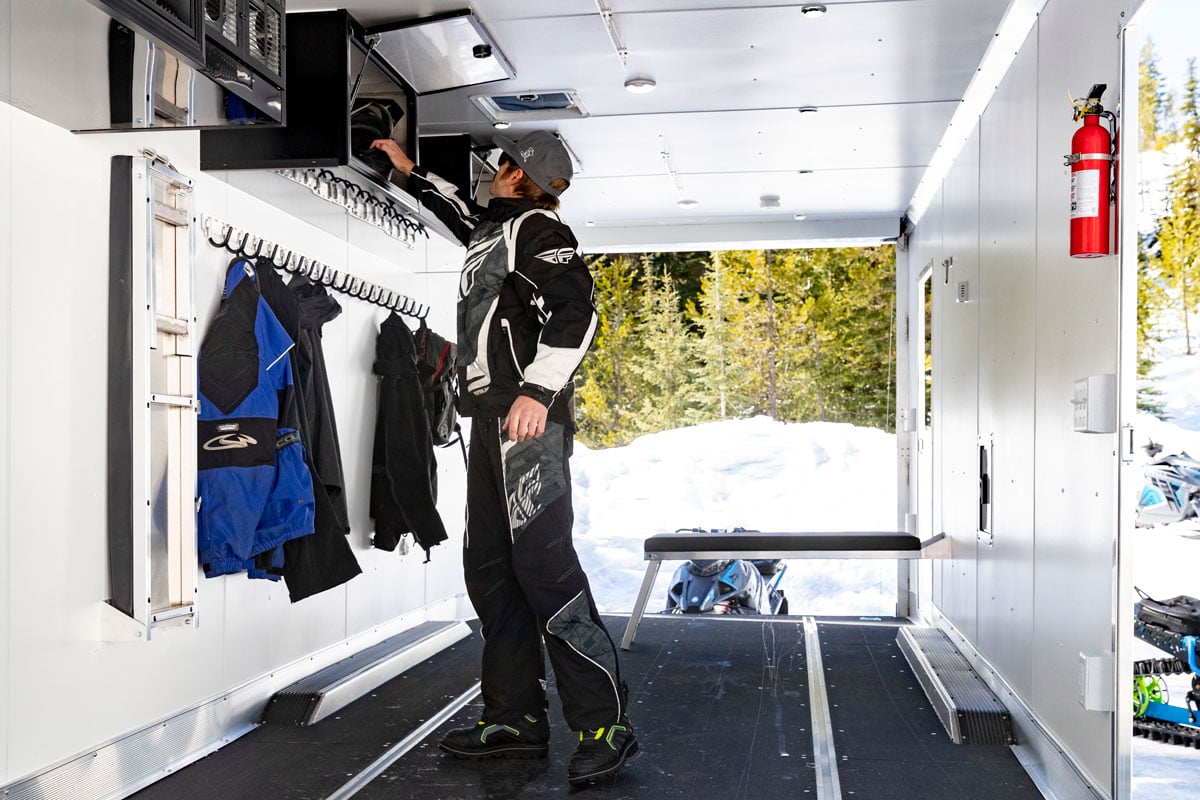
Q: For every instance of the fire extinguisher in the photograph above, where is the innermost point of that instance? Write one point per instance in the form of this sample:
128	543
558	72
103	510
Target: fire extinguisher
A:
1090	159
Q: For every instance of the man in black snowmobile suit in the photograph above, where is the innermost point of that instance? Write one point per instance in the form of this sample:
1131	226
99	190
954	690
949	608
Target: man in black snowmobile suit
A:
526	318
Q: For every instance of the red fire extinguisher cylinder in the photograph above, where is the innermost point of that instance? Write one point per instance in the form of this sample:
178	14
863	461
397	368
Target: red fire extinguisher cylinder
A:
1091	159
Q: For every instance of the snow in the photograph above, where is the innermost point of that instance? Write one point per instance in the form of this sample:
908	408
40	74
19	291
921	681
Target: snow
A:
755	473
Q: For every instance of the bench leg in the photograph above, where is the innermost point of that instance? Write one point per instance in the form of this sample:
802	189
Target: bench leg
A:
640	606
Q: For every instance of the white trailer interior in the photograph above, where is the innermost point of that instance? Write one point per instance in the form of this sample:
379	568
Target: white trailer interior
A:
952	114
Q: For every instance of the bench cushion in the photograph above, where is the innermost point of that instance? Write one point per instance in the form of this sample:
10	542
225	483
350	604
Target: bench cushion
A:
755	544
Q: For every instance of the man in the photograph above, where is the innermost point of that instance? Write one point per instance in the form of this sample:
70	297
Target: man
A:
525	321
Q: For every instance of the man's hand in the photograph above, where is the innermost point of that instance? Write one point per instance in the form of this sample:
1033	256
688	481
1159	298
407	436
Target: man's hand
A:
526	419
400	161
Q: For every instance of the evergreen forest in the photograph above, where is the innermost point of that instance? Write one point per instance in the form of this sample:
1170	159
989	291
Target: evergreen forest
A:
1169	253
686	338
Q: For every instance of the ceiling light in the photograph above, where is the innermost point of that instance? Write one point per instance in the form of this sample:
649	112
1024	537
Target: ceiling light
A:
591	223
501	126
807	109
768	201
800	217
688	203
640	85
813	10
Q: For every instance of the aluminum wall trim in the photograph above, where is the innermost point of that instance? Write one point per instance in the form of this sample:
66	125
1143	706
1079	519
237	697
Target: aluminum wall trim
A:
359	683
824	752
1128	474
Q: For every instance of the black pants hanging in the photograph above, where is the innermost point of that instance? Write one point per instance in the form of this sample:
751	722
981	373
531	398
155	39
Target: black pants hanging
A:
525	581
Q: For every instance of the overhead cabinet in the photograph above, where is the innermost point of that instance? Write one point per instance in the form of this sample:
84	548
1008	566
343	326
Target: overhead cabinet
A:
345	95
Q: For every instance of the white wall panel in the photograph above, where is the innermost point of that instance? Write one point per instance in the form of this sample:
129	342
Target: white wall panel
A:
1044	320
1007	275
6	158
53	549
957	336
1076	502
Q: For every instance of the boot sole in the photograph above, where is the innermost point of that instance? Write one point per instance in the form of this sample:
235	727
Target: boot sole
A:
499	752
628	753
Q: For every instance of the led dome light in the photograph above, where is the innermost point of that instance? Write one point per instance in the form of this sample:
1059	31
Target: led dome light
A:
640	85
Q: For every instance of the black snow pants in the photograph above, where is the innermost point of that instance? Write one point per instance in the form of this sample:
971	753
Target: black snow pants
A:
525	581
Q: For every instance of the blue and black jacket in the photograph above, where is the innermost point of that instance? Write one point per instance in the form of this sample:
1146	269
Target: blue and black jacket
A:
255	489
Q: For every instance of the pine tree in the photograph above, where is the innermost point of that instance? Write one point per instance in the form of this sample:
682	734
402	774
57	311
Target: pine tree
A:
1152	299
853	319
605	390
1179	231
1155	104
666	362
708	315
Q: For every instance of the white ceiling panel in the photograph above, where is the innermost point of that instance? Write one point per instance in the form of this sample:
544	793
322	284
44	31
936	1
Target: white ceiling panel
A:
886	76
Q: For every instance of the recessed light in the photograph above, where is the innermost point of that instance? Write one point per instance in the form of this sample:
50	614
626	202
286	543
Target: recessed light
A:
591	223
807	109
800	217
640	85
688	203
813	10
804	172
501	126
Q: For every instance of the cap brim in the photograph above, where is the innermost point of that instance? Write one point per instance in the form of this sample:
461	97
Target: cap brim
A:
509	147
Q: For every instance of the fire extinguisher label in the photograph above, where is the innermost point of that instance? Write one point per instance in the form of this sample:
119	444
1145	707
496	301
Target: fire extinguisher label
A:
1085	193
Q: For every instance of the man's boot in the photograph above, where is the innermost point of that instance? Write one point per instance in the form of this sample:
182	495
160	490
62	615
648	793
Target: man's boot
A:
528	737
601	752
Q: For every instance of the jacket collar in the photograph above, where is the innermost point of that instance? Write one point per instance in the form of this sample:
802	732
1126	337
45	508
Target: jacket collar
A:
501	209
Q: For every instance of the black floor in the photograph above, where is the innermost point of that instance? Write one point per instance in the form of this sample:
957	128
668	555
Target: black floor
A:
721	711
890	743
720	708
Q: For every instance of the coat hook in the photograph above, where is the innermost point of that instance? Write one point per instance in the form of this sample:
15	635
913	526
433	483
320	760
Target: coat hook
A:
224	242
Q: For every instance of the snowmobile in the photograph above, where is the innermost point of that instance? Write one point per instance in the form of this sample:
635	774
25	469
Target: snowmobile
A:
1172	489
1172	626
727	586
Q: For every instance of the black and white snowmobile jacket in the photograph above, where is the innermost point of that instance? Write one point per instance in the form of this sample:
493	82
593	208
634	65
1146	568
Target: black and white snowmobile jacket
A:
526	311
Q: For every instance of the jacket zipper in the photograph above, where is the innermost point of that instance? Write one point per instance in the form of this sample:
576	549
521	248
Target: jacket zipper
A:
511	350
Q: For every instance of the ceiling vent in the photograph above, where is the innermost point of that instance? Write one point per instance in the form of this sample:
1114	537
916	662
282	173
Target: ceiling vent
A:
530	106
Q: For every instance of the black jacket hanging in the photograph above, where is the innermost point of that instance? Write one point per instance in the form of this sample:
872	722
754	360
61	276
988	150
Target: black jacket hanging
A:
403	472
323	560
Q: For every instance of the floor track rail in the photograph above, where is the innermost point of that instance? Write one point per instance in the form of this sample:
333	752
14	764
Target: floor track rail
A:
824	752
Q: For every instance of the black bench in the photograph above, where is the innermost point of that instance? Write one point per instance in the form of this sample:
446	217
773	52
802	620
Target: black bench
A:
754	544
